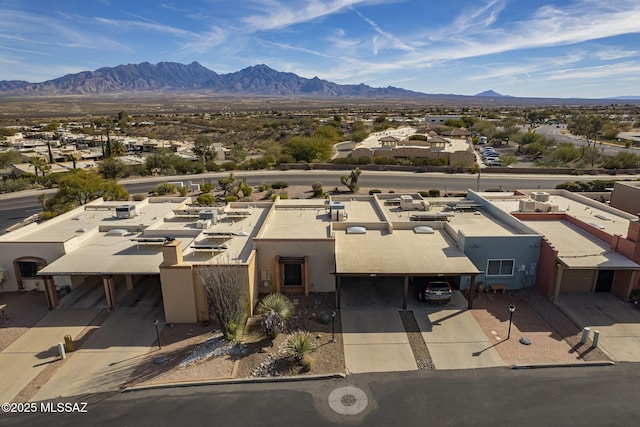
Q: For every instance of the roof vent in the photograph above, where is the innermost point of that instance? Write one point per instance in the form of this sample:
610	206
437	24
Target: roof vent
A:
81	230
356	230
79	217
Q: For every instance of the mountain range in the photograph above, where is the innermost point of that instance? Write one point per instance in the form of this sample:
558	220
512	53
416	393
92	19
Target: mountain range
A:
175	77
258	80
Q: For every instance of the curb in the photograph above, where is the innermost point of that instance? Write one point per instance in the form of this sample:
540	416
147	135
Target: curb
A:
233	381
563	365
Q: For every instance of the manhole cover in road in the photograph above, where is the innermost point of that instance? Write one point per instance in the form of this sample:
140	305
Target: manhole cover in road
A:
348	400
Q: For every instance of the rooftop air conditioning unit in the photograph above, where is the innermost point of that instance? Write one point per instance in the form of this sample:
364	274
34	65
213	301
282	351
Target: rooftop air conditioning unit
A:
208	214
527	206
125	211
540	196
203	224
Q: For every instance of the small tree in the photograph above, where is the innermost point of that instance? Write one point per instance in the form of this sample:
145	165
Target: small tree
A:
206	187
317	189
351	181
225	286
227	183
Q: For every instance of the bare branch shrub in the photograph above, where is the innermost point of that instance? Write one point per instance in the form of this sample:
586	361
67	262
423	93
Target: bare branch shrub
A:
226	291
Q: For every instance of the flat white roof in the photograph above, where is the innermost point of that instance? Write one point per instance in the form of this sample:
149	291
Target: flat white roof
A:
402	252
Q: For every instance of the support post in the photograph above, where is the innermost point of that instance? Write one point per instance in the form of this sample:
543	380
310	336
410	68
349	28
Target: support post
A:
596	337
585	335
405	292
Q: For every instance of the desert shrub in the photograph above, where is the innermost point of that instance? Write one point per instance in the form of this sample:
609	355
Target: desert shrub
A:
273	324
278	303
227	298
374	191
300	344
434	192
283	196
307	362
212	166
317	189
424	193
264	186
324	317
230	199
183	191
279	185
139	197
164	189
206	187
229	166
206	199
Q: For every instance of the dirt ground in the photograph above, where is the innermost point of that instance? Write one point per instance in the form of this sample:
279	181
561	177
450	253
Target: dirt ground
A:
255	356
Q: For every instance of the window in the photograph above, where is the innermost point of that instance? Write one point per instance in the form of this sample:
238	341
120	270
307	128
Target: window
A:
29	268
500	267
293	274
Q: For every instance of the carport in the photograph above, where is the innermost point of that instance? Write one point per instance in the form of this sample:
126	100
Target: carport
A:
402	254
115	267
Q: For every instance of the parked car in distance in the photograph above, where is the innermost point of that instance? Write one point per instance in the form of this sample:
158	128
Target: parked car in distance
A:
494	162
437	291
491	156
486	149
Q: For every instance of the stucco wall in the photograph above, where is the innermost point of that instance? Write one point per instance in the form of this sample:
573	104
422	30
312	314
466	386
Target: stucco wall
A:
626	198
321	255
522	249
178	294
10	251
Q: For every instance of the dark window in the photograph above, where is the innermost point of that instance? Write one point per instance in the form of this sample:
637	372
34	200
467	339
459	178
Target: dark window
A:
29	268
293	274
500	267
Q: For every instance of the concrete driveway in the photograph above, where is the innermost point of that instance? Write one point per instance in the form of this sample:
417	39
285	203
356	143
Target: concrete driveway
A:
105	361
375	339
617	320
453	336
30	354
373	334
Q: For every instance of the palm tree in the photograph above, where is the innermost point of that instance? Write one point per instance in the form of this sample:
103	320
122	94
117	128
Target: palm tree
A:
39	163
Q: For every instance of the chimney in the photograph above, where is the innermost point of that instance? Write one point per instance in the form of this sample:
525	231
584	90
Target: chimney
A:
172	253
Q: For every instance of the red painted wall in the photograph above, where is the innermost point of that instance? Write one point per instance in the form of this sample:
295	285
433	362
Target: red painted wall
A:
546	275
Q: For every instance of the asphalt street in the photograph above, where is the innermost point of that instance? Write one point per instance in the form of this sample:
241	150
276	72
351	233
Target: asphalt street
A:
583	396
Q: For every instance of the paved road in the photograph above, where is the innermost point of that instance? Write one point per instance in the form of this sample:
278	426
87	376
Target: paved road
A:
495	396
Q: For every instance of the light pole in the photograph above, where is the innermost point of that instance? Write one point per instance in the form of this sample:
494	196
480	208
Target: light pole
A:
333	326
512	308
155	322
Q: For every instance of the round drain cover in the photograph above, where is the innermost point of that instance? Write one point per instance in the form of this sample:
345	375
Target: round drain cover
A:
348	400
525	341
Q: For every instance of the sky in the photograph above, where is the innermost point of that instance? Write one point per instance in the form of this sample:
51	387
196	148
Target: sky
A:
526	48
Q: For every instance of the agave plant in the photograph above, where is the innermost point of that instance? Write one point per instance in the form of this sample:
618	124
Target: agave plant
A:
278	303
300	344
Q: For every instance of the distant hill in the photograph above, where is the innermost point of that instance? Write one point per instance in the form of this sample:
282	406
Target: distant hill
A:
173	77
491	93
